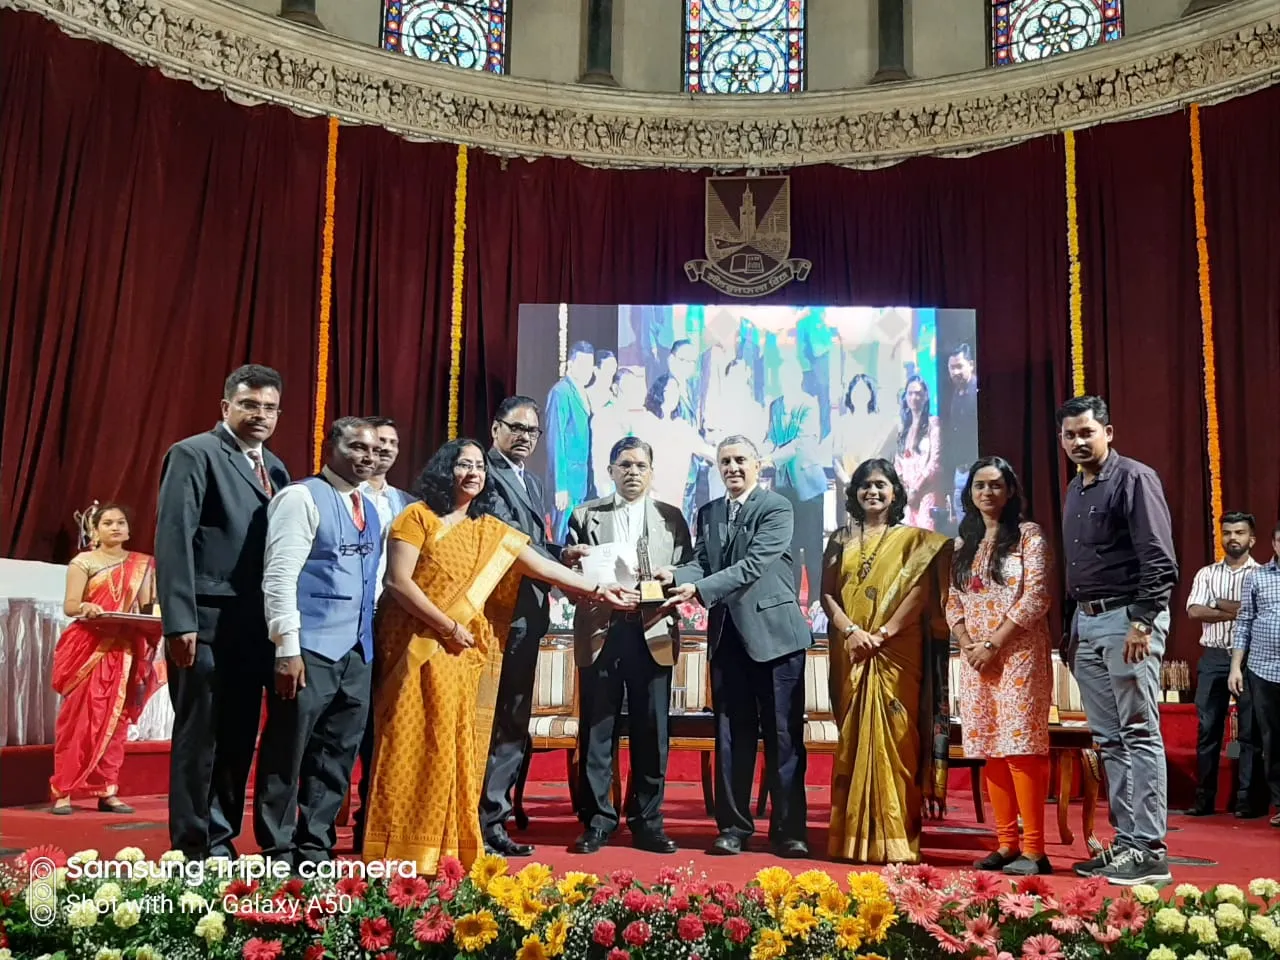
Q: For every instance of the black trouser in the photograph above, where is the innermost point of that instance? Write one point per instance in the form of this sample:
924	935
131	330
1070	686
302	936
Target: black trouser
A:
366	778
1213	700
1265	695
751	699
308	749
623	663
217	707
510	727
806	539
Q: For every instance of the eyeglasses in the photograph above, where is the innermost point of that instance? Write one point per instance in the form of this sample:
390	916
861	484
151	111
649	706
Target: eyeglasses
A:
522	429
253	406
355	549
631	467
466	466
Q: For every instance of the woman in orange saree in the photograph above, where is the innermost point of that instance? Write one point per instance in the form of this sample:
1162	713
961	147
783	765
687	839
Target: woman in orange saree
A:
453	569
104	675
883	590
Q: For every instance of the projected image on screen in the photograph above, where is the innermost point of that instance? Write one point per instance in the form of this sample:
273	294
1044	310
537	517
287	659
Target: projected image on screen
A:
816	389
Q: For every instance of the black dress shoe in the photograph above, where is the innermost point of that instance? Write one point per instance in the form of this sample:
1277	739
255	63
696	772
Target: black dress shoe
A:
995	860
111	805
590	841
791	849
655	841
727	845
1201	810
1249	813
503	845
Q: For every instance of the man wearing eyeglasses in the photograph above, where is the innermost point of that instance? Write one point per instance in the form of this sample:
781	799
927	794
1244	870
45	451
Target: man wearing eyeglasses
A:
210	536
522	504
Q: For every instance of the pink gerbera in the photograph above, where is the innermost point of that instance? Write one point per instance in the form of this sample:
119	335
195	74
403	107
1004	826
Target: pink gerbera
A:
1035	887
450	869
981	931
985	887
1066	924
407	892
920	905
1043	947
948	942
435	926
928	875
45	851
1017	905
1126	914
1105	937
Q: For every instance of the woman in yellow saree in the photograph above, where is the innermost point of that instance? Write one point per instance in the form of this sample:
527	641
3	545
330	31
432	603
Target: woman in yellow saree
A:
883	591
452	573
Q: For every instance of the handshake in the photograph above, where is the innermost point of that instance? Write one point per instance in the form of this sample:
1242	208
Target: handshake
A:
629	598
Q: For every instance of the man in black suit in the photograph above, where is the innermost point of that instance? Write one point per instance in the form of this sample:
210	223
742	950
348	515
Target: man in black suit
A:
210	537
757	637
515	430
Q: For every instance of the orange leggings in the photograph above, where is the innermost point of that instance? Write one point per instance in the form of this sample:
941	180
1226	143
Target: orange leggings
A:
1019	785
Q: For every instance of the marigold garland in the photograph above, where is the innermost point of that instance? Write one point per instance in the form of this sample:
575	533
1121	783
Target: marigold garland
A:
1073	261
455	312
562	333
1206	329
326	294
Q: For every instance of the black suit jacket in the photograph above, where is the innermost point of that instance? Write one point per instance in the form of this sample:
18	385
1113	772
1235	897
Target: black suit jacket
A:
524	507
745	571
211	526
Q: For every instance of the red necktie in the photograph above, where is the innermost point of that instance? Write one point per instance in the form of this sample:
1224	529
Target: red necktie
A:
358	514
261	471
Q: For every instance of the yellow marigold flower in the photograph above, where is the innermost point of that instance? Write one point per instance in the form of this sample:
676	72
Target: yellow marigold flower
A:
557	933
813	883
486	867
1229	893
1237	952
771	945
108	892
1145	893
126	914
83	914
877	917
475	931
532	949
799	922
1202	928
832	902
1162	953
534	877
868	886
1187	891
849	932
1264	887
1168	920
506	892
774	881
1229	917
212	927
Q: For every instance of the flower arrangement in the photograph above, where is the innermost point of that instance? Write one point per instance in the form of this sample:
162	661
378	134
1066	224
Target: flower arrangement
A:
61	908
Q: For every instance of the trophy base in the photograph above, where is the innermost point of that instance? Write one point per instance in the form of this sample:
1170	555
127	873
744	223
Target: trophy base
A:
651	593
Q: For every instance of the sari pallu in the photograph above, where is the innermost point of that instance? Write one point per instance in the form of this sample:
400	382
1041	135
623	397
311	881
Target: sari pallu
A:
105	674
891	708
433	709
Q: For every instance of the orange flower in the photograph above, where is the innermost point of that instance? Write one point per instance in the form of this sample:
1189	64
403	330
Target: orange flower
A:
326	293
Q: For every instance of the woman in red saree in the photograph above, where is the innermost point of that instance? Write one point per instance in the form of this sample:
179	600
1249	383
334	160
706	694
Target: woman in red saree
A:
104	674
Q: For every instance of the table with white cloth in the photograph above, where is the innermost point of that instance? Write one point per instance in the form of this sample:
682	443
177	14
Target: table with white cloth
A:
31	620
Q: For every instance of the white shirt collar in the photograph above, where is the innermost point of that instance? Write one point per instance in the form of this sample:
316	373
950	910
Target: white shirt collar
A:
373	493
336	481
244	447
623	504
1249	564
517	467
743	498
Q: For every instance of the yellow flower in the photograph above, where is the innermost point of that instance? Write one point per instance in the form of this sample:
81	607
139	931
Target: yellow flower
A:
571	884
506	893
527	911
534	877
1229	917
106	953
147	952
1262	925
173	856
813	883
475	931
1187	891
1162	953
192	902
1203	929
799	922
126	914
1145	893
832	903
83	914
1237	952
774	881
1168	920
1229	893
84	856
1272	939
868	886
107	892
877	916
532	949
872	956
130	855
212	927
557	933
771	945
1198	955
486	867
60	878
1264	887
5	954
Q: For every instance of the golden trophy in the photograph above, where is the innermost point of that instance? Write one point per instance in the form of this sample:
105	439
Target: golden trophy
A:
652	593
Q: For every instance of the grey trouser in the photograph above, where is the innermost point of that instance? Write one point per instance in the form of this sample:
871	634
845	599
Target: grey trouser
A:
1122	703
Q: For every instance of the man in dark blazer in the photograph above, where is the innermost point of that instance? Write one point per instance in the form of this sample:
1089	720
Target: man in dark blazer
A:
521	503
757	637
210	537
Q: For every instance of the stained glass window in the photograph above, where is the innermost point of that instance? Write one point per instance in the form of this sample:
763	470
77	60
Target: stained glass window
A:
1026	30
471	34
744	46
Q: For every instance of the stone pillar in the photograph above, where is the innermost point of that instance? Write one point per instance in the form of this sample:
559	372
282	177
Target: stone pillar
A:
599	41
301	11
1200	6
892	42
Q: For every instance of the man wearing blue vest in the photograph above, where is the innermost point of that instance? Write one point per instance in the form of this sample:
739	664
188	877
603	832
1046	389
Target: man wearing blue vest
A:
319	581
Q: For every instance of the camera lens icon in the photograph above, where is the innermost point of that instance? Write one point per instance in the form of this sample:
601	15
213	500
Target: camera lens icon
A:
42	891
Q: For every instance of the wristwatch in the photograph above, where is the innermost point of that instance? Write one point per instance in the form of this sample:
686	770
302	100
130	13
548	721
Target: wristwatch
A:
988	645
1142	628
848	631
1213	603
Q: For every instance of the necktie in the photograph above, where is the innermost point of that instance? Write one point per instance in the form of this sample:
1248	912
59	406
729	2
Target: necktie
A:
261	471
734	508
357	513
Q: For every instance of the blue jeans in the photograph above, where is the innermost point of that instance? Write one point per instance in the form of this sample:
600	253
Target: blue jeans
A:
1122	703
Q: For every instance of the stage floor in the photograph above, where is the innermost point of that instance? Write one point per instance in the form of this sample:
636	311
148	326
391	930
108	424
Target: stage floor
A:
1203	850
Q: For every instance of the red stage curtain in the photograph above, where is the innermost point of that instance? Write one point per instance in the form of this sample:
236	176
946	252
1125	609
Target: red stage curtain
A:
155	236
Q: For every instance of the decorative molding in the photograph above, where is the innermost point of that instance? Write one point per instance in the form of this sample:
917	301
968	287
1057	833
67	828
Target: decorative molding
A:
254	58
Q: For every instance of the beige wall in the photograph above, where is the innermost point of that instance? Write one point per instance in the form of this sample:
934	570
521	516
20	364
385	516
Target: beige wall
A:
943	37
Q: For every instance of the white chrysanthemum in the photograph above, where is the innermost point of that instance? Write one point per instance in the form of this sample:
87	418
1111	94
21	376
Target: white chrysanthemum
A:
1229	893
107	953
1203	929
1264	887
127	914
130	855
1261	925
1145	893
173	856
1162	953
84	913
84	856
1198	955
147	952
212	927
1187	891
5	954
1272	939
60	878
192	902
1229	917
251	858
1237	952
108	892
1168	920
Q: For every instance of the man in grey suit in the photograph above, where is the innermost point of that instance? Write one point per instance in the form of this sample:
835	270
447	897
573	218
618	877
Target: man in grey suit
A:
757	637
621	650
210	537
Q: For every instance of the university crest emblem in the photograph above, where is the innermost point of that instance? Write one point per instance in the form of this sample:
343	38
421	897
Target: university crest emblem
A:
748	237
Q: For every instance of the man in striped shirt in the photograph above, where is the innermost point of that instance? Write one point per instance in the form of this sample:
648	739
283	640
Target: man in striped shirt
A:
1214	601
1257	639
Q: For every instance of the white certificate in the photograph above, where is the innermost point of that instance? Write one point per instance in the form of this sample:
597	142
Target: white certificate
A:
612	563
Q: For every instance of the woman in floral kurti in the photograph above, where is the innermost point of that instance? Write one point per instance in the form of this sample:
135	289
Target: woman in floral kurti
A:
997	611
